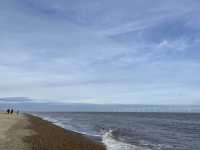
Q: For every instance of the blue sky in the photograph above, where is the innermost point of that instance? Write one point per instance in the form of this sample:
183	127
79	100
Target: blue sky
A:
101	51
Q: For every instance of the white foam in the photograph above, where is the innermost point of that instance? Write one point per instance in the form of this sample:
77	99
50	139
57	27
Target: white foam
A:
112	144
107	139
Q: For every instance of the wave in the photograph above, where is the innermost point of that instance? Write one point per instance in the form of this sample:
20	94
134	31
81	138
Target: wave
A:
113	144
107	138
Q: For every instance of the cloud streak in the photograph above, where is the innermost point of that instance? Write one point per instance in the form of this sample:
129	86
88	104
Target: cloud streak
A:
15	99
100	50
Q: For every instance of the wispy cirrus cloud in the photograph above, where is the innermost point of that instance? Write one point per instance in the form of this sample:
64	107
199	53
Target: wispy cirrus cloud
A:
100	49
15	99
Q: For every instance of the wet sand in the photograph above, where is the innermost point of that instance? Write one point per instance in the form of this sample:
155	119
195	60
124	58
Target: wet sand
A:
52	137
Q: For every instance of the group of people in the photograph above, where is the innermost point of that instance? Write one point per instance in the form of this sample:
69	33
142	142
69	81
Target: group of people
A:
11	111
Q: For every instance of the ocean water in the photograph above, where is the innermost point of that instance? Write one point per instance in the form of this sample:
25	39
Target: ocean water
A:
134	131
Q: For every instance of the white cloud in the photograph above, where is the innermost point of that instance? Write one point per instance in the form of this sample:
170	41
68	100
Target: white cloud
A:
60	49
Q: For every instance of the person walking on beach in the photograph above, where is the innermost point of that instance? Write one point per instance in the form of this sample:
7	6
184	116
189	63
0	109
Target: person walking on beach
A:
11	111
8	111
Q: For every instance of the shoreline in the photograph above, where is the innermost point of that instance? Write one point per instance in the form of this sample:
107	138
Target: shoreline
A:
93	137
52	137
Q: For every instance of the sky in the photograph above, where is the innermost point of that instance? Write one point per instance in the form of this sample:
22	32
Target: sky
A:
100	51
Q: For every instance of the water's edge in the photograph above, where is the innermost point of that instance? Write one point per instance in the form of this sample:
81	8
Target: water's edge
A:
133	131
107	138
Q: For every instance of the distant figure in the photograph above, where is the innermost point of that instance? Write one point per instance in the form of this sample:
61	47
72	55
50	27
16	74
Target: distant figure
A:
11	111
8	111
17	112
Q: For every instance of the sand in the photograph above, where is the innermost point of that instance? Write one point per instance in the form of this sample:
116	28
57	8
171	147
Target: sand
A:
52	137
13	128
27	132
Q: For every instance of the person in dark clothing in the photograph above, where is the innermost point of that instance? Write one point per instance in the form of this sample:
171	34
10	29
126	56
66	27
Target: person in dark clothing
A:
11	111
8	111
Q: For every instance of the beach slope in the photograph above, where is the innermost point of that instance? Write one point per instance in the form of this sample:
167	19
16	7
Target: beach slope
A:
51	137
27	132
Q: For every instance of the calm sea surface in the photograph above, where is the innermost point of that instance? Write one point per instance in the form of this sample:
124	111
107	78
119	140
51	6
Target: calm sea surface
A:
135	131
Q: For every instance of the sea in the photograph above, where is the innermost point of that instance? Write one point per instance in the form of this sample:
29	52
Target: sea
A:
133	130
